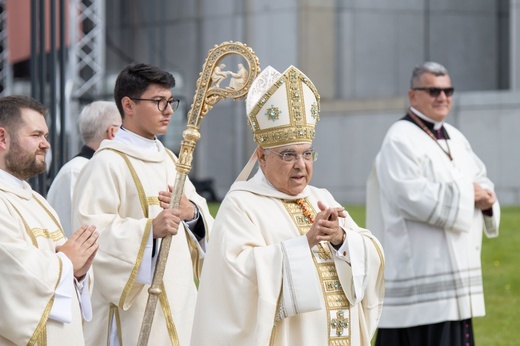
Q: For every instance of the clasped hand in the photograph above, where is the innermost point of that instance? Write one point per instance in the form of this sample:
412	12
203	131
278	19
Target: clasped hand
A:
484	198
168	220
326	226
81	248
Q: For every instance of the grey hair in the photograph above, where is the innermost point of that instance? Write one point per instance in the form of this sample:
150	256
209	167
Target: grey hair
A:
96	118
427	67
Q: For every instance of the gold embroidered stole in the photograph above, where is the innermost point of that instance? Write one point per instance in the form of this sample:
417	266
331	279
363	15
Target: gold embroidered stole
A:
336	303
163	298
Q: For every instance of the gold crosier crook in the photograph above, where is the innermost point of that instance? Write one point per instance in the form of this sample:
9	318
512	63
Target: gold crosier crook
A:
208	93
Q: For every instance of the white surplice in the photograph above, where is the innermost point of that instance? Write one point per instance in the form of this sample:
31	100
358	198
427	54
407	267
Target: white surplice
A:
420	205
60	191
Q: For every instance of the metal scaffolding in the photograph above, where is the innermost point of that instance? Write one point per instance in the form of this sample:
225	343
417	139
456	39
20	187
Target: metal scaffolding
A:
87	53
79	63
6	76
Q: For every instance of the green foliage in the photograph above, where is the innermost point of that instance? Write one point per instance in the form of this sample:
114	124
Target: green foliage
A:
500	258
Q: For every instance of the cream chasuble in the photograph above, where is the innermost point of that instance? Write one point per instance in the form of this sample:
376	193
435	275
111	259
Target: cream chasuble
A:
420	205
262	285
30	271
117	191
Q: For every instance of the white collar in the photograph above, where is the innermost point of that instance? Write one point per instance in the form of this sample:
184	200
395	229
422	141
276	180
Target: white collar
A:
436	124
260	178
130	138
11	179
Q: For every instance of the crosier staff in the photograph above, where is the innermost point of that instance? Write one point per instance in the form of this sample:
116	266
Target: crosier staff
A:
208	93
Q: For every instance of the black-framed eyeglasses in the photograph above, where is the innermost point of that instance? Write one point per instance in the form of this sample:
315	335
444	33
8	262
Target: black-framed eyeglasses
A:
435	92
162	104
290	157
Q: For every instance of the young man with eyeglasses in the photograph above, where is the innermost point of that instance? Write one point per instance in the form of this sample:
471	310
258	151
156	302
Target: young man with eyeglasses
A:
98	121
125	190
286	264
429	201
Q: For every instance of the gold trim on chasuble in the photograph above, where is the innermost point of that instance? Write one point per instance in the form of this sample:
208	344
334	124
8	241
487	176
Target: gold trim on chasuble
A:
39	336
336	303
56	235
33	233
163	299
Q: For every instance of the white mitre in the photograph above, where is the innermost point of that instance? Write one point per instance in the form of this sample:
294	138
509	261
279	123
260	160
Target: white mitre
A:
282	108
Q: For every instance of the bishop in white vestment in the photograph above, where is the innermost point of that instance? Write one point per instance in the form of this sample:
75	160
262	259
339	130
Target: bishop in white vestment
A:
267	278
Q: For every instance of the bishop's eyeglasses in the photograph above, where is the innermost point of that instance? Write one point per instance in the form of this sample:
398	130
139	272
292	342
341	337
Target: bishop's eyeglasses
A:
290	157
162	104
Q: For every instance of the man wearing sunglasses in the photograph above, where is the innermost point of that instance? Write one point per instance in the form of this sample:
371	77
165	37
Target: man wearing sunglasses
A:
123	190
429	201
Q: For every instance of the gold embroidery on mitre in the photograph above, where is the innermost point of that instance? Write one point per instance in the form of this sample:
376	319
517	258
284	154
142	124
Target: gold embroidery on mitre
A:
273	113
295	126
336	303
315	111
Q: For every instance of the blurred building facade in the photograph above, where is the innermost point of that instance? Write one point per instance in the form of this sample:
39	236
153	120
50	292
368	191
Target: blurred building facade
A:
359	54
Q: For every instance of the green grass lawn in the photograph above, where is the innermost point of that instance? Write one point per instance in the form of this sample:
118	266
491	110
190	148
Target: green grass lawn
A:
500	259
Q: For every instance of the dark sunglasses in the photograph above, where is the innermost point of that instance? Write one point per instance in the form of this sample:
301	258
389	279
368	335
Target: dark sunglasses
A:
435	92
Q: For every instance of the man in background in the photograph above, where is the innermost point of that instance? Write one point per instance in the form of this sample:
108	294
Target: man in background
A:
98	121
428	201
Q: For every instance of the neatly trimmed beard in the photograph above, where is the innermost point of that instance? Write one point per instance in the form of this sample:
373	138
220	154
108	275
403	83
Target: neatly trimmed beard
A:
21	163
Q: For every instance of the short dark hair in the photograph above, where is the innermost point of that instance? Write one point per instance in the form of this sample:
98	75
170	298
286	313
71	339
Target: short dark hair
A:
426	67
11	110
135	79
